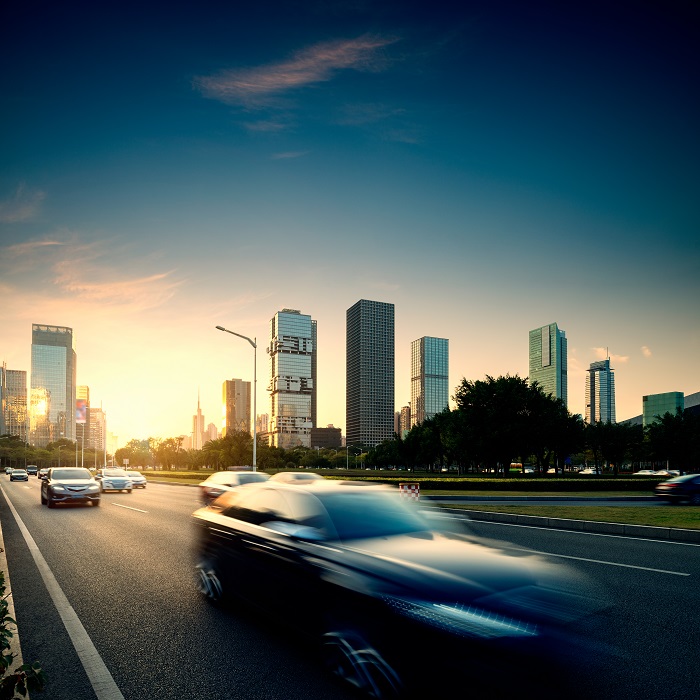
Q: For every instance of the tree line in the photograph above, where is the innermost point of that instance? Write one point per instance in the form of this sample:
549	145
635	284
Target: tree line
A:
496	422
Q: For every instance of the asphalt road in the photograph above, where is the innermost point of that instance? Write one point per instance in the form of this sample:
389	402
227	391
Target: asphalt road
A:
126	569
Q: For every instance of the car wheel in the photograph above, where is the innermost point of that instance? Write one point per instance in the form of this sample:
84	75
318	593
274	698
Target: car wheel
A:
96	503
43	500
49	502
694	500
209	581
347	655
128	490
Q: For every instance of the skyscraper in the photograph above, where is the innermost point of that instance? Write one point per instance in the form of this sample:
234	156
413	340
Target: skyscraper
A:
370	373
429	378
197	428
13	402
52	397
291	385
236	404
548	363
97	435
600	393
82	415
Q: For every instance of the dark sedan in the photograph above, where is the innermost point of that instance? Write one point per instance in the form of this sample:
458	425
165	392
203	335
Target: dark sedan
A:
69	485
684	488
219	482
394	603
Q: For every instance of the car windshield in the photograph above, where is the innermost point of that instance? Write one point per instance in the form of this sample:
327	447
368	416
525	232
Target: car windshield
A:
133	474
65	474
252	477
114	472
362	514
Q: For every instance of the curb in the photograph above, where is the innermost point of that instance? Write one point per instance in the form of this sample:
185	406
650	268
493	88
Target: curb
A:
645	531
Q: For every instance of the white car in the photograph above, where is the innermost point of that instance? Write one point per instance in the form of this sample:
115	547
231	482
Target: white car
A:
645	472
588	470
137	479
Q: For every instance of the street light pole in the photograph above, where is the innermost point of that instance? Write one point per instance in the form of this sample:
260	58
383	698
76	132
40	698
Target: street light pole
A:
255	389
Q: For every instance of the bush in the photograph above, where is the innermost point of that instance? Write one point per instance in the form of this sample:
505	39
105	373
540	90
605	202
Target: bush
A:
27	676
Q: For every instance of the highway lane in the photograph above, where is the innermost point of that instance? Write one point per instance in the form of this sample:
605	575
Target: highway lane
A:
126	570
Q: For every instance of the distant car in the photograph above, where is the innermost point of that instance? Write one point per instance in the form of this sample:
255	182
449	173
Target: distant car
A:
32	469
8	470
362	572
219	482
645	472
684	488
69	485
137	479
114	479
19	475
664	472
295	477
43	472
588	471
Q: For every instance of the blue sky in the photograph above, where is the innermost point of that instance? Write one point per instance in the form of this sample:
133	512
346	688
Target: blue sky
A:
488	169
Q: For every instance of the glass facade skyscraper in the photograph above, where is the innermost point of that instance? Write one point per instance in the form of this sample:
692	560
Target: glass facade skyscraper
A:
52	397
600	393
429	377
659	404
370	373
236	398
13	402
292	367
548	360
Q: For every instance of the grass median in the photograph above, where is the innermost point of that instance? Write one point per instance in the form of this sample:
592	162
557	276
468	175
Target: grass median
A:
684	517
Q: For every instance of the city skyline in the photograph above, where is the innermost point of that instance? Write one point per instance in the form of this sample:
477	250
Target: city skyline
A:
487	169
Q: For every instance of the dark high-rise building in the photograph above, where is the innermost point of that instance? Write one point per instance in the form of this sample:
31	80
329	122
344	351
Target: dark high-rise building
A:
52	397
13	402
370	373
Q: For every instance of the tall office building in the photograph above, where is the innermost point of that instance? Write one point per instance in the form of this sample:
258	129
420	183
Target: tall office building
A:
548	360
429	378
600	393
97	430
236	404
82	415
404	421
197	428
654	405
13	402
291	385
314	370
370	373
52	397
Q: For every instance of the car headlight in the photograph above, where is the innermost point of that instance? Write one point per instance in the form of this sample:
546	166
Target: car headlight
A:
93	487
464	620
58	488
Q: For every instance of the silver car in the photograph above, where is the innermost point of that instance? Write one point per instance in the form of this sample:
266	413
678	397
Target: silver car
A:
137	479
114	479
69	485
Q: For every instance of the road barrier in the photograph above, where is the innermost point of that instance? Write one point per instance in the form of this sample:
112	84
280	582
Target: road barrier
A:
411	490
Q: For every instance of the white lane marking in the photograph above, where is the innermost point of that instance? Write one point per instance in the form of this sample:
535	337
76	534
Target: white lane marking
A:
599	561
130	508
582	532
99	676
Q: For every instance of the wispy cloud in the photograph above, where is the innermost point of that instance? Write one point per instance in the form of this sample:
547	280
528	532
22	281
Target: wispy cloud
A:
289	154
24	205
602	354
646	351
262	86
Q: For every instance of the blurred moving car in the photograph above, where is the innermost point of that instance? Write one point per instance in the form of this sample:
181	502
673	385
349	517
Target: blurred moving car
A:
588	471
362	571
684	488
114	479
42	473
32	469
220	482
19	475
295	477
8	470
645	472
69	485
137	479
